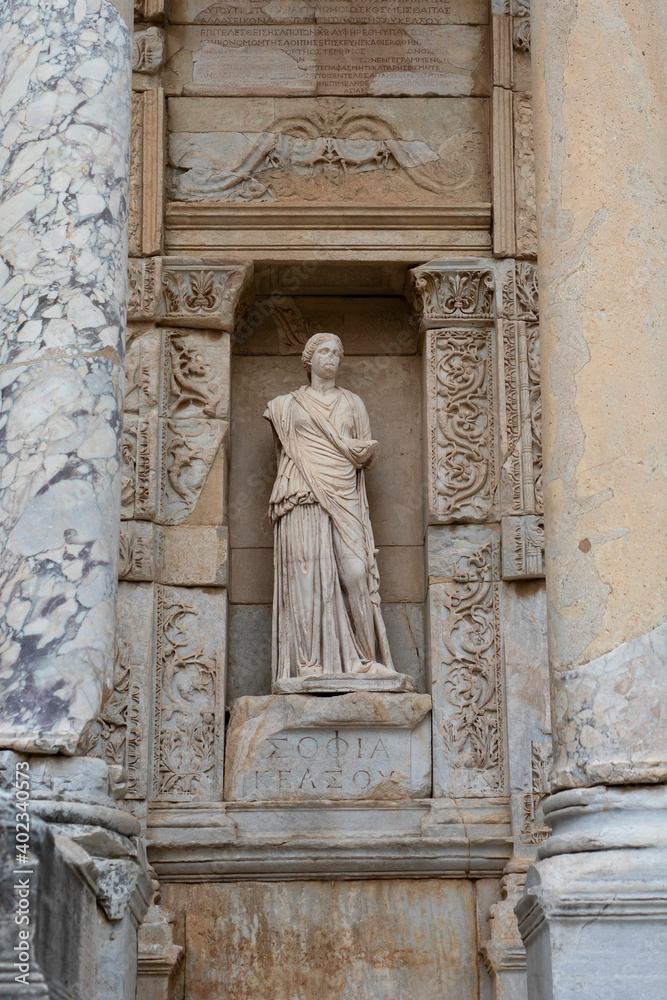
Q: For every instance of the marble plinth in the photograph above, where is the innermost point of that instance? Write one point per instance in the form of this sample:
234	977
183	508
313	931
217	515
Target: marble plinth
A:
355	746
344	684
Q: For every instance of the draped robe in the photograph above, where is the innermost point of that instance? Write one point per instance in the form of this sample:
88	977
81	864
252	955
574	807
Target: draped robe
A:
326	601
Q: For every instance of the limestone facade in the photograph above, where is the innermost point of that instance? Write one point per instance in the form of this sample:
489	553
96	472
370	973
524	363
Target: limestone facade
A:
180	210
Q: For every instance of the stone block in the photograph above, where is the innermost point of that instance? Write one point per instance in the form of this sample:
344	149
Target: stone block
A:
193	470
197	373
364	59
193	556
401	573
424	152
249	669
364	939
523	547
355	746
405	631
251	579
452	549
138	543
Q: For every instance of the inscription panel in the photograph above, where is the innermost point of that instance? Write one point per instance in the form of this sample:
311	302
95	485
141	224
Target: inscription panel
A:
329	11
332	753
311	59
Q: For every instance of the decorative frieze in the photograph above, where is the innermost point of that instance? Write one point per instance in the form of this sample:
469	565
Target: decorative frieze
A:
466	675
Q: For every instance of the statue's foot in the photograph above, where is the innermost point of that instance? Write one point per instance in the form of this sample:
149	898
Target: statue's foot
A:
311	670
379	669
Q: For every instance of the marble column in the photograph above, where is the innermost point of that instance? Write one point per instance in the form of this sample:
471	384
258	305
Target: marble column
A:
65	105
600	138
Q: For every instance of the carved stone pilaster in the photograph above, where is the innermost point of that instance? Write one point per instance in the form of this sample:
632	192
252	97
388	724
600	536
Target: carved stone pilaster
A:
503	953
465	661
520	432
523	547
147	157
456	308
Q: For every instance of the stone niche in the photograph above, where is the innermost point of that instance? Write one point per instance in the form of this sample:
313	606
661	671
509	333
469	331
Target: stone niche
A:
382	365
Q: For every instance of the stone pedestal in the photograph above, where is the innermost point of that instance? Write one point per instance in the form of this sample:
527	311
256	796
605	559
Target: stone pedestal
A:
594	913
356	746
345	684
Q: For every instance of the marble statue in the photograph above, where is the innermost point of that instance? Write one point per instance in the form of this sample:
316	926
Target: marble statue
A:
326	604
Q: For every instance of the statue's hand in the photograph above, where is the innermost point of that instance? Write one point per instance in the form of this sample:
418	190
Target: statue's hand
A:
364	453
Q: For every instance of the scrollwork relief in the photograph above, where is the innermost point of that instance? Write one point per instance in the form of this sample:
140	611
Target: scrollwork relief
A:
470	713
186	705
461	427
189	449
524	177
521	350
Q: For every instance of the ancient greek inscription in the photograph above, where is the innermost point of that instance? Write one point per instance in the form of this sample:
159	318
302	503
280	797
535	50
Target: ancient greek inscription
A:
329	763
354	59
328	11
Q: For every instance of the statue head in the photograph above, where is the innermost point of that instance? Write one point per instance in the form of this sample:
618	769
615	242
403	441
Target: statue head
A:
326	351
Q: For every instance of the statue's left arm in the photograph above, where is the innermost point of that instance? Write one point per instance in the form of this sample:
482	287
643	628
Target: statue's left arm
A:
363	448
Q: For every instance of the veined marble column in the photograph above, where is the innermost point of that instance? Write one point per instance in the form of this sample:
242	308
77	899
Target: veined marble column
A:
65	105
600	142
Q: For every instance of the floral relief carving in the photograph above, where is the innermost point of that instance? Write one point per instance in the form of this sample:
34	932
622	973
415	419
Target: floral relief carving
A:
443	295
523	547
189	448
521	29
192	384
186	705
461	433
144	288
470	714
136	175
202	297
136	558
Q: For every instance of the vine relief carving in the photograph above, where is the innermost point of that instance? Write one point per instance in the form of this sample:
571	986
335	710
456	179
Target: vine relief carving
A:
520	11
468	689
186	705
522	386
462	477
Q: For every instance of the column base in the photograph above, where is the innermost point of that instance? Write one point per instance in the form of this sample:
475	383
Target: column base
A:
593	916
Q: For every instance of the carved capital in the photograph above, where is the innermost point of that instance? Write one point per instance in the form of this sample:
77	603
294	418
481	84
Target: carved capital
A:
203	295
440	292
